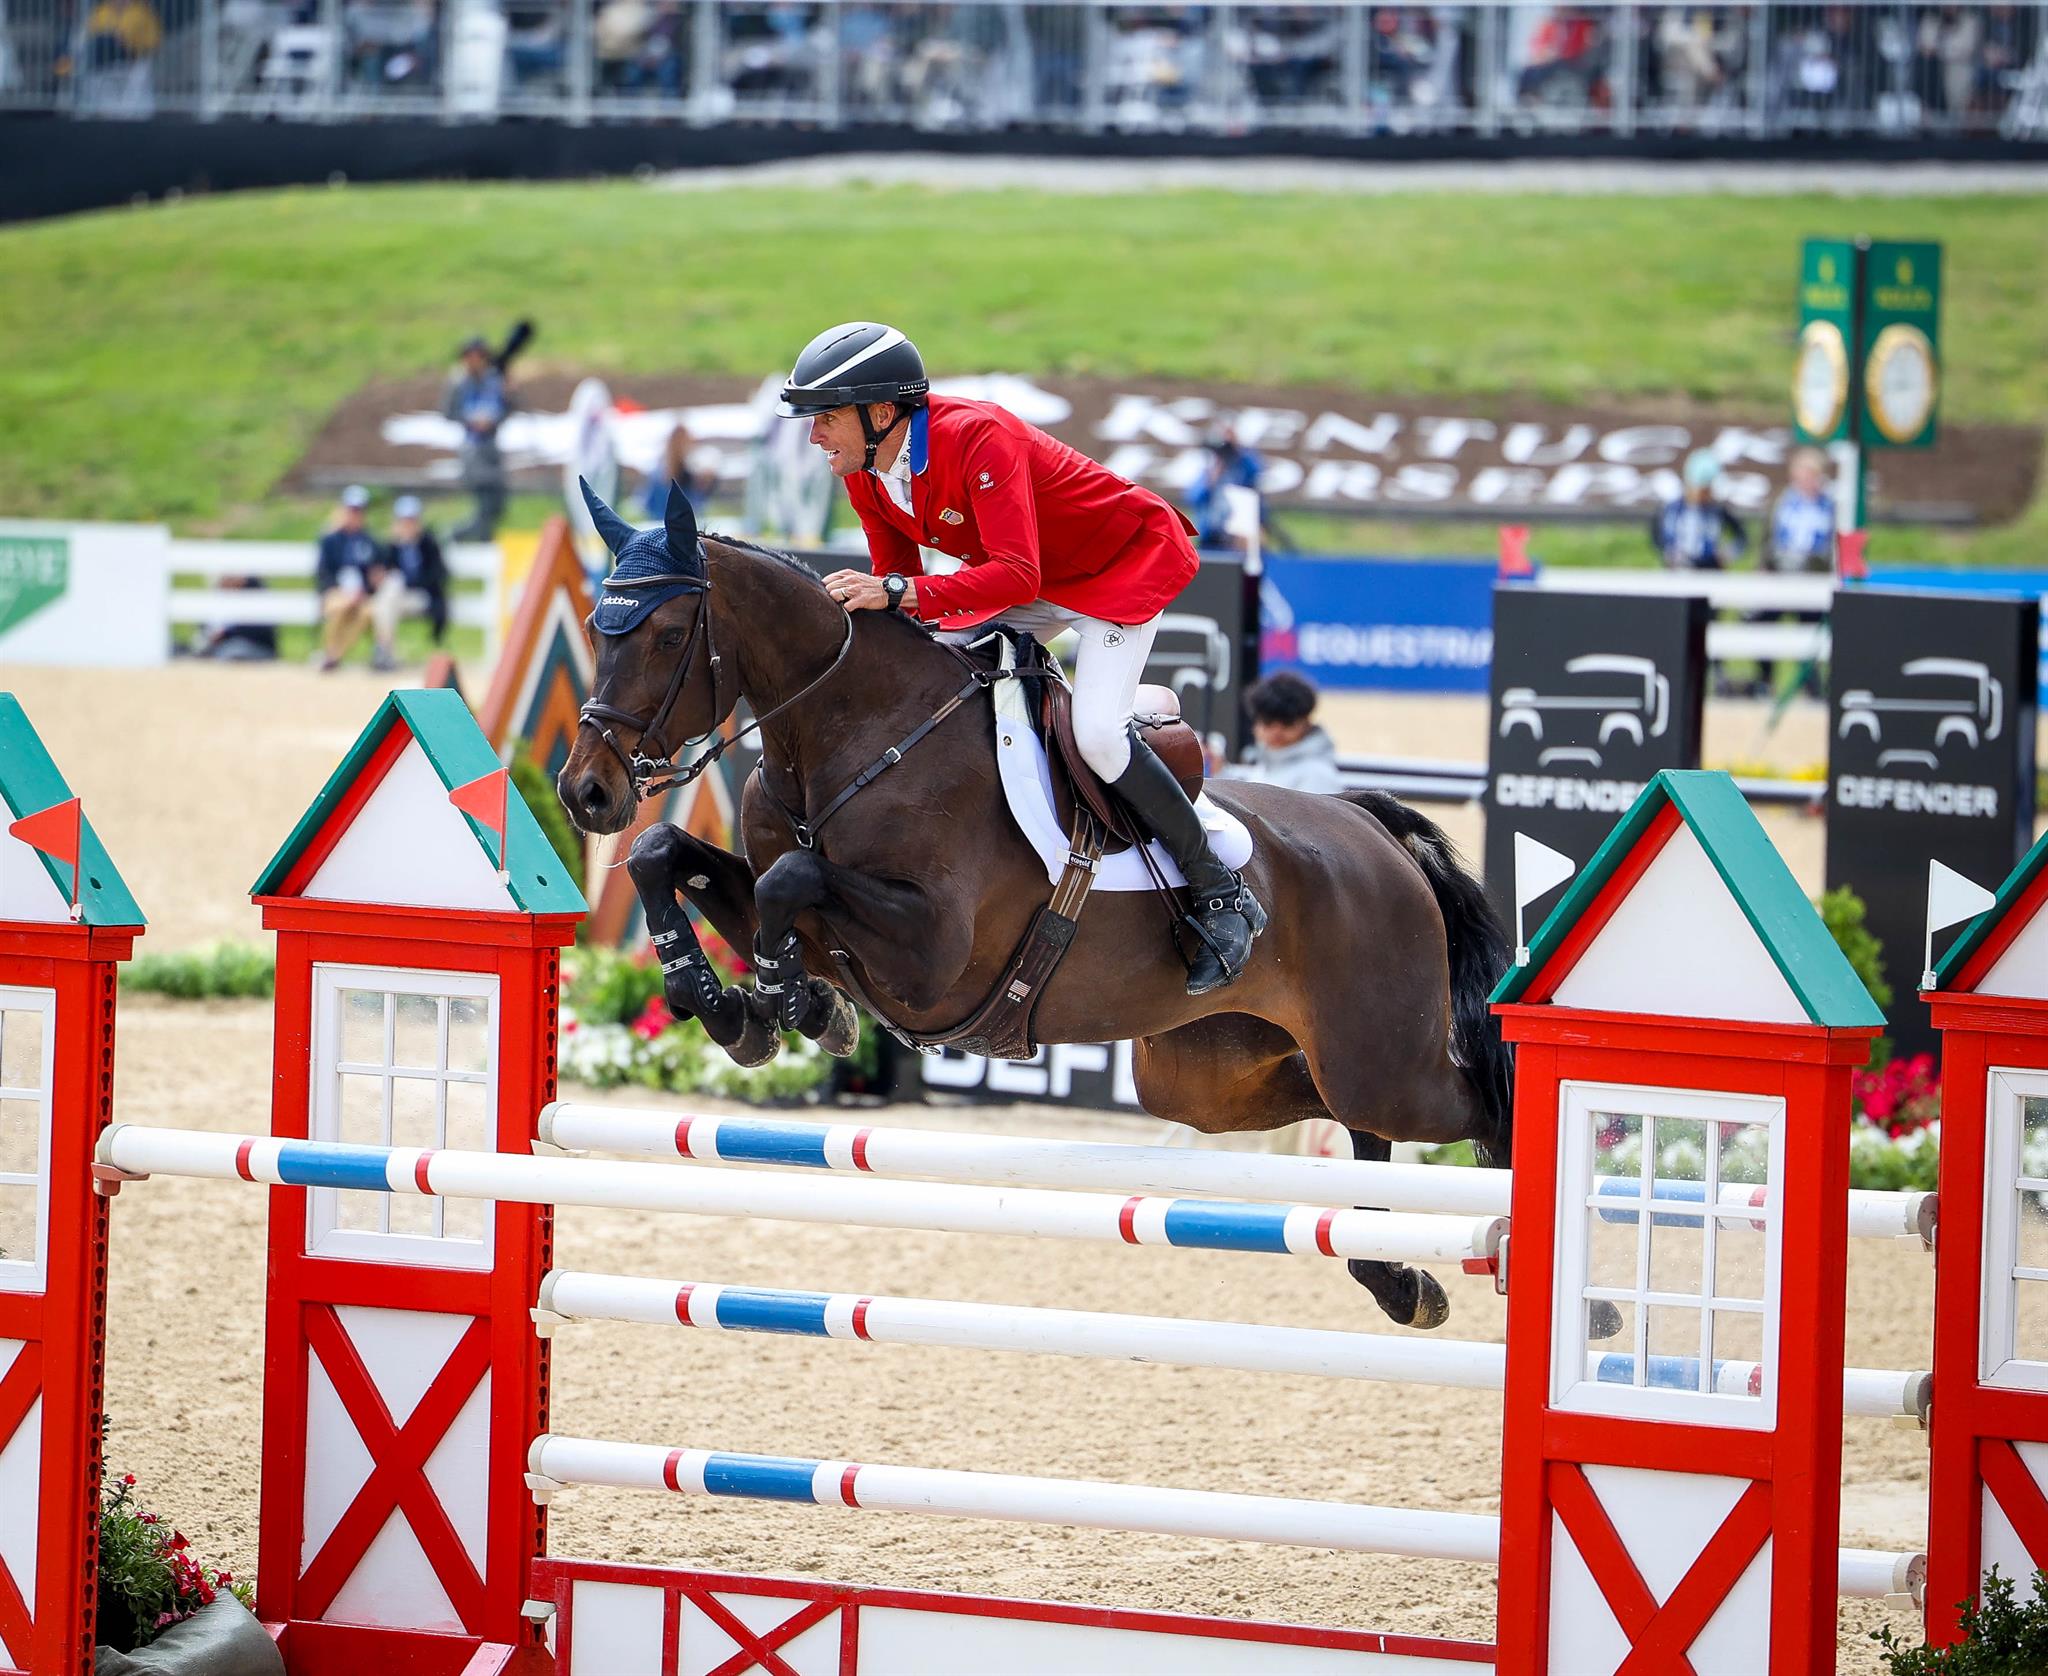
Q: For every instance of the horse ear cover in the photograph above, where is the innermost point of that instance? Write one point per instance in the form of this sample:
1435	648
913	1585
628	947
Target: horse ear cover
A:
652	566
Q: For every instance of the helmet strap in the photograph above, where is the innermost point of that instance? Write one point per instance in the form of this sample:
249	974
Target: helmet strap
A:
874	437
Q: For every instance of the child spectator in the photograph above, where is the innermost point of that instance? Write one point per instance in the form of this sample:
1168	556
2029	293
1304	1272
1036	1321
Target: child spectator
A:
1289	748
412	582
1695	531
344	576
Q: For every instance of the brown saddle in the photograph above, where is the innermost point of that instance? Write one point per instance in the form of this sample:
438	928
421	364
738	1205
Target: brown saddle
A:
1159	724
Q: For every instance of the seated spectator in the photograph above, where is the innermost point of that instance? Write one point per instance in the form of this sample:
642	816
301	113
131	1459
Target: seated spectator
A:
236	642
345	576
1695	531
682	461
617	32
1699	55
1227	464
119	32
1289	748
412	581
1566	56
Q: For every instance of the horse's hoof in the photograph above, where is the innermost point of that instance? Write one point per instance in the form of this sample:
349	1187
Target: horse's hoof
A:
757	1043
1603	1319
839	1034
1432	1308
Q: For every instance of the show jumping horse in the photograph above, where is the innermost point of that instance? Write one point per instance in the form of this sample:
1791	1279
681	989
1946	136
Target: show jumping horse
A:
1365	1001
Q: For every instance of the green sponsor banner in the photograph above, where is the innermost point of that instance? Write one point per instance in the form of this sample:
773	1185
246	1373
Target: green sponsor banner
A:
1824	399
34	572
1900	362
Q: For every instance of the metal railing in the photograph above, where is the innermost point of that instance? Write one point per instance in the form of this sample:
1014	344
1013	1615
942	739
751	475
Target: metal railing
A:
1352	69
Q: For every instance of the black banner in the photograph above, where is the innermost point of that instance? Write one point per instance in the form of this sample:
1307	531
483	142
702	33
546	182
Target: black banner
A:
1592	694
1063	1073
1930	758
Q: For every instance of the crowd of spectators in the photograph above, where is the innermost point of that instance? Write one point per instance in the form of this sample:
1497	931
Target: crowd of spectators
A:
994	63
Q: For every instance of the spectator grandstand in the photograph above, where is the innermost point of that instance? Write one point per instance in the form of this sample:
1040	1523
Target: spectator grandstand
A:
1765	71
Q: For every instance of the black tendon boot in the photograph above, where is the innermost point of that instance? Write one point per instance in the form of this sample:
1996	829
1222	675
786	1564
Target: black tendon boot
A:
1225	916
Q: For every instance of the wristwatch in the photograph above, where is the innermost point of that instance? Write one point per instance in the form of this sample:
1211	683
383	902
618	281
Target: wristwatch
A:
895	587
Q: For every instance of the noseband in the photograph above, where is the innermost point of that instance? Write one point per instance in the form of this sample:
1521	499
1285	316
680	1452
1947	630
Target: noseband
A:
653	774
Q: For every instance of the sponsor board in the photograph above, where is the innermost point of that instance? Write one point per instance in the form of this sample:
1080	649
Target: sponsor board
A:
1931	709
1398	625
1592	694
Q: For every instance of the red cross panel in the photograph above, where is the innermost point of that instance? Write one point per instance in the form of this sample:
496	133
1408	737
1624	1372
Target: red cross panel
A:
21	1460
1710	1595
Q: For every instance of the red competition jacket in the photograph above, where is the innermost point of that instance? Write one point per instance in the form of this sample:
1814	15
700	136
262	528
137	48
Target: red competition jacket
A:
1029	517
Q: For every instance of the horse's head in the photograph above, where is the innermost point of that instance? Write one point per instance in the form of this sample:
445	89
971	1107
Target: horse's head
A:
657	672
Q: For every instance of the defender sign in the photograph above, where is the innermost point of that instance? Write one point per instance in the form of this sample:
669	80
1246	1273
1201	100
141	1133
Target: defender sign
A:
1931	758
1592	694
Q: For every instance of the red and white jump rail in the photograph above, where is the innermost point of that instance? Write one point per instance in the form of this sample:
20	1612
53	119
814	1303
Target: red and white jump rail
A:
558	1463
1025	1160
929	1207
568	1295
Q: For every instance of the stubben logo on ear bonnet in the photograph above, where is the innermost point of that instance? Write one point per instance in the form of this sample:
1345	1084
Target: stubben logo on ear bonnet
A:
653	566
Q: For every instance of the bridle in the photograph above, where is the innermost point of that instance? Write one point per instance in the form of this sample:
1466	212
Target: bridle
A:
653	774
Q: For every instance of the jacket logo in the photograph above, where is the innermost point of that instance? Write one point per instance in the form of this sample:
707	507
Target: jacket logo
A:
948	515
986	481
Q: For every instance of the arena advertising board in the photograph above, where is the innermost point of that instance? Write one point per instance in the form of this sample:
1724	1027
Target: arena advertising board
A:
1591	695
1065	1073
84	594
1400	625
1319	448
1931	706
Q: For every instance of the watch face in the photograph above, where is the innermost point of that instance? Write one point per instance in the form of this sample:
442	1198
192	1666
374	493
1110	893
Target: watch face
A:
1899	380
1820	381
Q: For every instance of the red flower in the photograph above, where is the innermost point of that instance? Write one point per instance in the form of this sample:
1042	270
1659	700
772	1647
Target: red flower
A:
653	1020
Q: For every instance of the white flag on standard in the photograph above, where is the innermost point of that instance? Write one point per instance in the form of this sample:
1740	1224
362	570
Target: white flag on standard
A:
1538	868
1950	897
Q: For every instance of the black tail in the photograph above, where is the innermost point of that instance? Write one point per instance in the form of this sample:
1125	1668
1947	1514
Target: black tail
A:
1480	952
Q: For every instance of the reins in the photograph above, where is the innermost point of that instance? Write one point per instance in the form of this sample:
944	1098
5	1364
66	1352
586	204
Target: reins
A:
646	772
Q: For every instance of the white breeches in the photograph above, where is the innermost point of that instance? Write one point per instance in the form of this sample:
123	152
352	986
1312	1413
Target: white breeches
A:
393	600
1108	665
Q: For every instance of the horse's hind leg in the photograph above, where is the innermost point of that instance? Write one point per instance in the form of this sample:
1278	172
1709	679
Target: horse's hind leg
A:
1231	1073
1411	1297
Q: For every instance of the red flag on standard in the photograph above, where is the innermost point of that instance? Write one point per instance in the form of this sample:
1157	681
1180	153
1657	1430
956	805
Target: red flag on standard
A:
56	831
484	800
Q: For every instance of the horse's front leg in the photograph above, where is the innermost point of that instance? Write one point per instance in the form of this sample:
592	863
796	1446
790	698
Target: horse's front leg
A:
796	882
665	859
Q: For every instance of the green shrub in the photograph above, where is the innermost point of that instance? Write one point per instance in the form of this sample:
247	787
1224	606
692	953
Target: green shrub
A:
2001	1637
534	785
211	972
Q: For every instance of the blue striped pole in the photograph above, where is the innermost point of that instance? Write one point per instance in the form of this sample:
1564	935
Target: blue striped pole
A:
933	1207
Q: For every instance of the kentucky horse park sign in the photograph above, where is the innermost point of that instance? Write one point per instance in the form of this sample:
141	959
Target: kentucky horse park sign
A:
1327	449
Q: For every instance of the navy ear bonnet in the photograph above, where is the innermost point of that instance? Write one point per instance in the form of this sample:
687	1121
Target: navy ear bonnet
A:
653	566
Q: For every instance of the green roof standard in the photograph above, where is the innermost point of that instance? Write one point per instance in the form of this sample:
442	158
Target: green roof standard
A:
456	750
1786	924
31	782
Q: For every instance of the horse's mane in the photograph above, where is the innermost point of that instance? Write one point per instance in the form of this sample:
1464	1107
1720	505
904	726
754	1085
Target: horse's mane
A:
789	561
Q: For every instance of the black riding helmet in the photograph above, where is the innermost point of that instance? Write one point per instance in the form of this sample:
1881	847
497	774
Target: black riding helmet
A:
852	366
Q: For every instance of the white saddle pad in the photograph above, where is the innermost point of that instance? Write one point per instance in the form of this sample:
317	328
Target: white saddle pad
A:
1027	784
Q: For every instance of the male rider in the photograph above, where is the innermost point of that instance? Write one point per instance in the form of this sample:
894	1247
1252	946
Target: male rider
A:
1047	540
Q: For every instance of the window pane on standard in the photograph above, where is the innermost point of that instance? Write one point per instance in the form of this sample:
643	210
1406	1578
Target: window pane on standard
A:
21	1136
414	1122
469	1040
1740	1252
18	1222
1621	1344
21	1050
1738	1336
2034	1136
2030	1327
2033	1230
362	1026
468	1131
360	1122
1677	1251
416	1039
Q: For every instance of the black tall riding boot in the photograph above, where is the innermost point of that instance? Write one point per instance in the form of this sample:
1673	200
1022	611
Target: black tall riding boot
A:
1225	916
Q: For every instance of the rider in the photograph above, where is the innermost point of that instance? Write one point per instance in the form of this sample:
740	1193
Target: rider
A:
974	481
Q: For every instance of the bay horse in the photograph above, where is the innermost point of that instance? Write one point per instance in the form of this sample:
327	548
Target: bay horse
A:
1365	1001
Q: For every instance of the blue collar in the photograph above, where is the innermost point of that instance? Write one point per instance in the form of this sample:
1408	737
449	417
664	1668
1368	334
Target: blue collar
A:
920	441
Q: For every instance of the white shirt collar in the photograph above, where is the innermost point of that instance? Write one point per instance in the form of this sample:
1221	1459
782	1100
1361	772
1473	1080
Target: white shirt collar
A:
896	476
